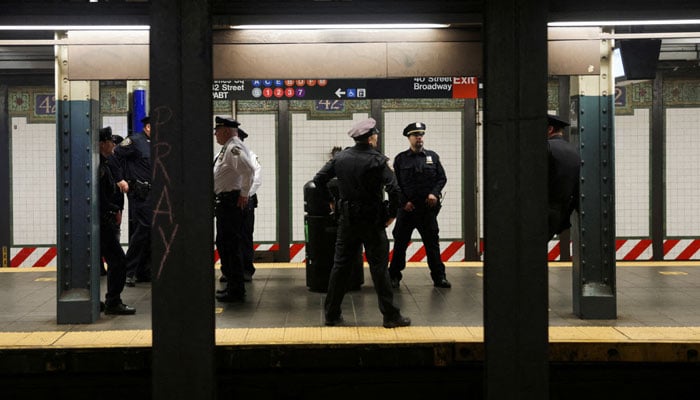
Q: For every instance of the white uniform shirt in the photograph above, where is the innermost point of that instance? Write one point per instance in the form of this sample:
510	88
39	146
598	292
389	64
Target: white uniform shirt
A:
257	171
233	168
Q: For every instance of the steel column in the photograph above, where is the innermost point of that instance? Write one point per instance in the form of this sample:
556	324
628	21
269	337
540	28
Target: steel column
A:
515	200
594	292
284	195
78	242
182	233
658	168
470	203
4	178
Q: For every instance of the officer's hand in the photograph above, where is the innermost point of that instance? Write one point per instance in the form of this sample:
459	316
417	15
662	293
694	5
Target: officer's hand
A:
431	201
389	222
118	217
242	201
123	186
409	206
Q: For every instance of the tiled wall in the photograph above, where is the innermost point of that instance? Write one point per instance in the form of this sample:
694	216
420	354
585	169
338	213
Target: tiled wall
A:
682	171
632	174
312	141
262	129
33	183
33	163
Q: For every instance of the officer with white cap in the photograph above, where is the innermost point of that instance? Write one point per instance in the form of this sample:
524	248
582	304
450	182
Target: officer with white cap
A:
363	176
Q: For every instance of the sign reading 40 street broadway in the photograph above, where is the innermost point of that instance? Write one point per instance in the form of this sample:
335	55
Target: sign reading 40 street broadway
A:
440	87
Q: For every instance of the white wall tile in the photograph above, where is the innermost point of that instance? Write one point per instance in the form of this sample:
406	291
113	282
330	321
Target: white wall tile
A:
33	182
682	177
632	174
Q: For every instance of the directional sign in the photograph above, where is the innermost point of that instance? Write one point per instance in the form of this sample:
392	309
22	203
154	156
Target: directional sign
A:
440	87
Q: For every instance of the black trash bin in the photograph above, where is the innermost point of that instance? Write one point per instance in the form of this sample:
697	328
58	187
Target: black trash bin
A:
320	230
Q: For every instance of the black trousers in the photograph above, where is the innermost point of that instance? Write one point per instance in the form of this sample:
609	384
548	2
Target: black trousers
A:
111	250
248	227
229	223
425	220
138	255
352	235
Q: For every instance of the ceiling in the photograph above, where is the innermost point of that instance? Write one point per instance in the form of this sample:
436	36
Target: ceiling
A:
29	52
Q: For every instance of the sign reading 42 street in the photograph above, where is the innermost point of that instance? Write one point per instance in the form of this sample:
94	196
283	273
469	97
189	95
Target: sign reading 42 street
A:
45	105
440	87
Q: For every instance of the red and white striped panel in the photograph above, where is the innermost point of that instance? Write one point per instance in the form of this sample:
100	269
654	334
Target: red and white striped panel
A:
295	251
21	257
626	250
449	251
681	249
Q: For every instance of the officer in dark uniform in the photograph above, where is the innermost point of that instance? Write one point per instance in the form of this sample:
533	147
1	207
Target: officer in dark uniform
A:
134	155
421	178
247	244
110	248
118	196
363	174
564	171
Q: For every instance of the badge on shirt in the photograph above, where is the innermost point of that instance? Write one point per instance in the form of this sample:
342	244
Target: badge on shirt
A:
428	159
235	151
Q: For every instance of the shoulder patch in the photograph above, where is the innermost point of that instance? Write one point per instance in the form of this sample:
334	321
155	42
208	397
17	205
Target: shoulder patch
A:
235	151
126	142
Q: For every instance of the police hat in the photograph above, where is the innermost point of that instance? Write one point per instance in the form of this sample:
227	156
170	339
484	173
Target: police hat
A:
242	134
228	122
146	120
117	139
363	127
414	128
557	121
106	134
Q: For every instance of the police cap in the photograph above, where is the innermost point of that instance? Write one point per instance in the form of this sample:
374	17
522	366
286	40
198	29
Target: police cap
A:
557	121
117	139
228	122
146	120
416	128
364	127
106	134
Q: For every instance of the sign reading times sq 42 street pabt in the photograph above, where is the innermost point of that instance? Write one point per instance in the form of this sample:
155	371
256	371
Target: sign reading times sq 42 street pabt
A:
437	87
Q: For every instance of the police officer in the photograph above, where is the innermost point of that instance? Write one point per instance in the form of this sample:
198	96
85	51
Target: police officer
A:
233	178
110	248
118	196
421	178
363	174
134	155
248	247
564	170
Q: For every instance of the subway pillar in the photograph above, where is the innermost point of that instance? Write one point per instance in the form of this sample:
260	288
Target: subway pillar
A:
593	232
78	295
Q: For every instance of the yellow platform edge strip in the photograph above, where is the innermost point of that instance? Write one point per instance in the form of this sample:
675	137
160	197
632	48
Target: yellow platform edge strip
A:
348	335
449	264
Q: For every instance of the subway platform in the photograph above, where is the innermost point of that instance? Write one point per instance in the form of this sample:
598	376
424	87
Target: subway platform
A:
275	344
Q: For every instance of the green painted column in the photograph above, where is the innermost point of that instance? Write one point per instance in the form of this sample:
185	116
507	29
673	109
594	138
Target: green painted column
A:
593	231
78	242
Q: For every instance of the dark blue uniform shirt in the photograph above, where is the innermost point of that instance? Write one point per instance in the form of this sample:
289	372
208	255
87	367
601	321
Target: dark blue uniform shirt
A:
134	154
419	174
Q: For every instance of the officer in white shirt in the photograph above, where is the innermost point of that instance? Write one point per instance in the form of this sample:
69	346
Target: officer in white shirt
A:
233	179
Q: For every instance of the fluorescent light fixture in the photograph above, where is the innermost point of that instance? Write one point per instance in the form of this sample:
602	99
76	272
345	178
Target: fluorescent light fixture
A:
629	23
339	26
74	27
617	67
